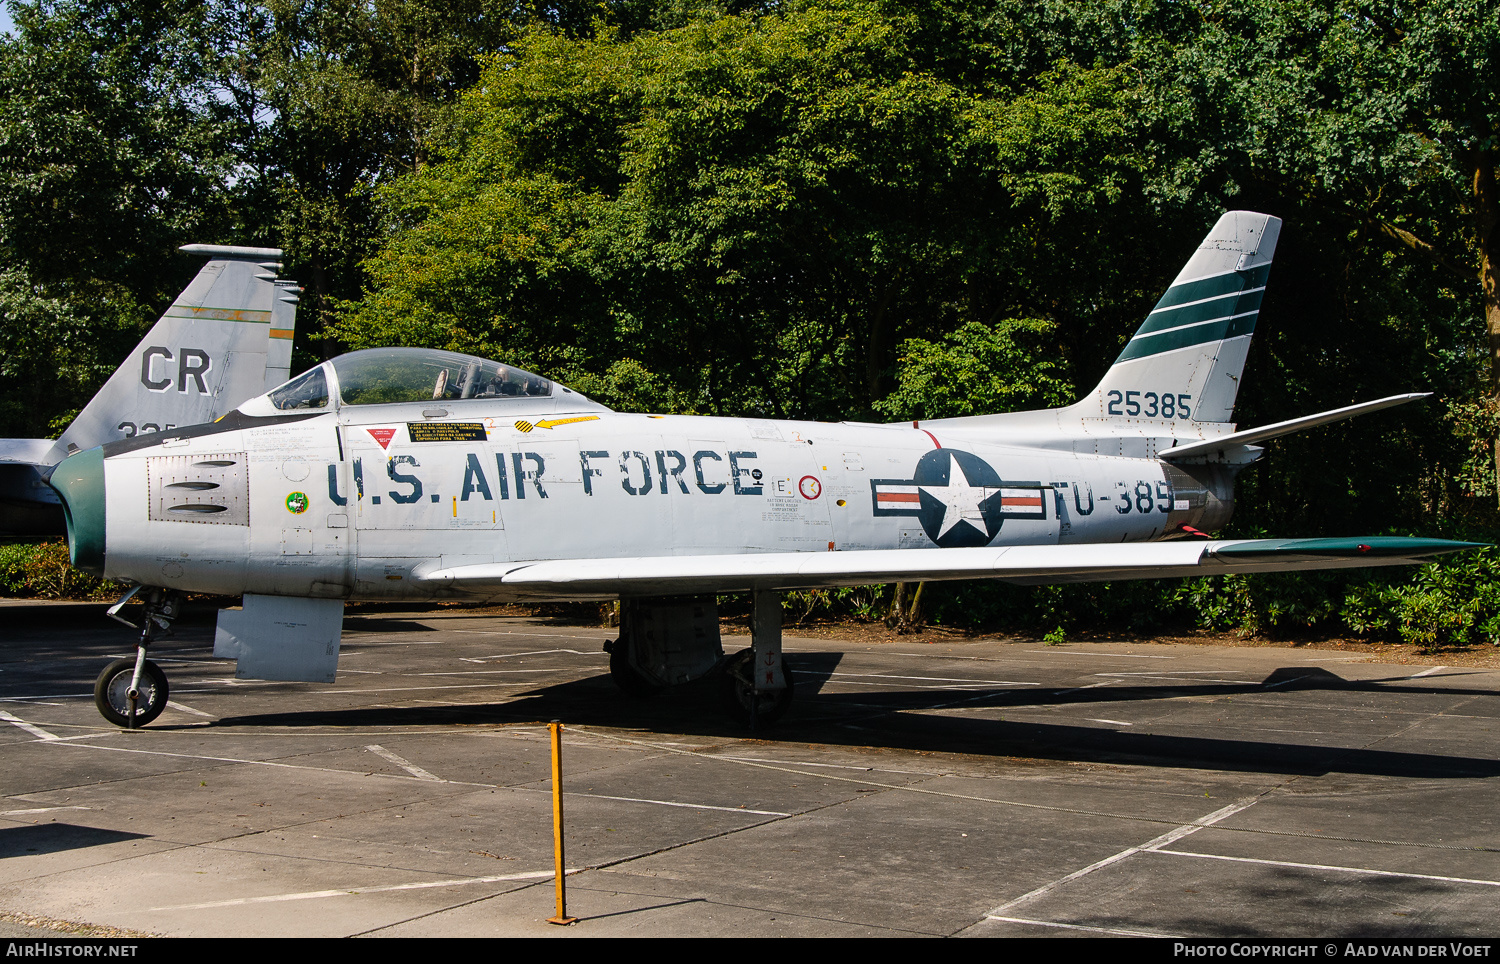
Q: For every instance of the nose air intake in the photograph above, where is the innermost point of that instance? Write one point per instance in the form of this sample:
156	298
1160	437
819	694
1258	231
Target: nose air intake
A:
79	480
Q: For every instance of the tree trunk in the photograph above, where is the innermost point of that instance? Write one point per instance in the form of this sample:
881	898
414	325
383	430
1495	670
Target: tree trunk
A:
1487	209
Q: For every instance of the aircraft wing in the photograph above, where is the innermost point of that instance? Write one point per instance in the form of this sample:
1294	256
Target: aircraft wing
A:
1025	565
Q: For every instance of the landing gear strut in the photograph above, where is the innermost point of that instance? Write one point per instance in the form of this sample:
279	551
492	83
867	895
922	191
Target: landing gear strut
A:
757	687
131	692
670	641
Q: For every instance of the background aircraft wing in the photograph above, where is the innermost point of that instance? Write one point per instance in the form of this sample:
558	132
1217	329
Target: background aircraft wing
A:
1026	565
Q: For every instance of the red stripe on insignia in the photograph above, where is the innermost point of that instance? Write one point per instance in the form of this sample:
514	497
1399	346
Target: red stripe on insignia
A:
898	497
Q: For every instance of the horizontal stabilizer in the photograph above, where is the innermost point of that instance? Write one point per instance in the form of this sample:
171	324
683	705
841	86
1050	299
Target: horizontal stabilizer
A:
1223	443
1030	565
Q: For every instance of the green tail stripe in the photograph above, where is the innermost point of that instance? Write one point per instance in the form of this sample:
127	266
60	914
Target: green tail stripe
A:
1223	307
1188	337
1222	284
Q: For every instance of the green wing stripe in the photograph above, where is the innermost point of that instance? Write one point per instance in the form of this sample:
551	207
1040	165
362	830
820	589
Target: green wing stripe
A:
1374	547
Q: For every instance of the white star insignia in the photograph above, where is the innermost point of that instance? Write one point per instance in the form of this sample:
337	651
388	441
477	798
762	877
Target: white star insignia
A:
962	500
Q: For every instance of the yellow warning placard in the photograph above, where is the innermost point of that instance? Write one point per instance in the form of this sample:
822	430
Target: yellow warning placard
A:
446	431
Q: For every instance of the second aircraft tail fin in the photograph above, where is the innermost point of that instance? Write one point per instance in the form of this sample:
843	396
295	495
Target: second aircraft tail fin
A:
226	338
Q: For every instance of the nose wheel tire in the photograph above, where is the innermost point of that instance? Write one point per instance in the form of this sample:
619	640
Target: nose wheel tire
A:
745	706
112	692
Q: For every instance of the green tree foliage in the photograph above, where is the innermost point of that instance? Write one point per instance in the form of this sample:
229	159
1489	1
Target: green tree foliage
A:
978	369
113	150
757	208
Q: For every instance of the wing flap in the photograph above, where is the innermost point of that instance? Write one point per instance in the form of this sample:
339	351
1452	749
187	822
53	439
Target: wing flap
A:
1030	565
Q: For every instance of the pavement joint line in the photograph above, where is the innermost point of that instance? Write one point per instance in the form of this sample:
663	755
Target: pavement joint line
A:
940	679
833	766
360	891
664	803
404	764
1186	679
1174	672
32	698
412	689
535	652
916	789
1418	721
274	763
502	632
600	866
1171	836
1080	689
1350	870
909	686
34	730
490	672
711	902
1065	652
1116	931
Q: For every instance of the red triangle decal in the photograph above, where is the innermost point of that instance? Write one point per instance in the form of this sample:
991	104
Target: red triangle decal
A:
382	435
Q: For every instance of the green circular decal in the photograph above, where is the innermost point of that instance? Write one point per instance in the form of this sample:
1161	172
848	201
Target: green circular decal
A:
296	503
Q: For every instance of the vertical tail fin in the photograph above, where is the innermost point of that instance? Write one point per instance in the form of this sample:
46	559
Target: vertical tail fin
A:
1185	361
225	339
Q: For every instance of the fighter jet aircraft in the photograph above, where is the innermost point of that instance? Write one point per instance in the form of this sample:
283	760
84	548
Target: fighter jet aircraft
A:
226	338
413	474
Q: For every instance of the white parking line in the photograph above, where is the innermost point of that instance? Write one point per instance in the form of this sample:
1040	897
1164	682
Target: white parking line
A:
189	710
357	891
35	731
404	764
1079	927
22	813
1171	836
1348	870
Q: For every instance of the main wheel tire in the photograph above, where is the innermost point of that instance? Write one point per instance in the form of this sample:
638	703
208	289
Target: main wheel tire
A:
627	677
112	692
741	701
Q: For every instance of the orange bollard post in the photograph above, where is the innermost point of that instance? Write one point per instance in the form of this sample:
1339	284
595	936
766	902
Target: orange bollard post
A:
557	827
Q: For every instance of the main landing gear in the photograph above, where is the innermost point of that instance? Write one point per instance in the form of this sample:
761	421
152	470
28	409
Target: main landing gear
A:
668	642
131	692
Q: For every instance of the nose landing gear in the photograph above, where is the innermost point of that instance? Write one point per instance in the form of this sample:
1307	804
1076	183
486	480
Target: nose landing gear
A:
133	692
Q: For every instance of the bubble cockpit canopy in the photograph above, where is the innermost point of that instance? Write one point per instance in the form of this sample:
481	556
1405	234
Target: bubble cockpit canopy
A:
384	376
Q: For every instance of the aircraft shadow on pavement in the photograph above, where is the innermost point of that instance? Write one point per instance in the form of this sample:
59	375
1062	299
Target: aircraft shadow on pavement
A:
51	838
877	719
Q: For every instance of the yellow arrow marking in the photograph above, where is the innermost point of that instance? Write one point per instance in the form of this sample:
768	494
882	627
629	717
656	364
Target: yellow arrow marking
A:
548	423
